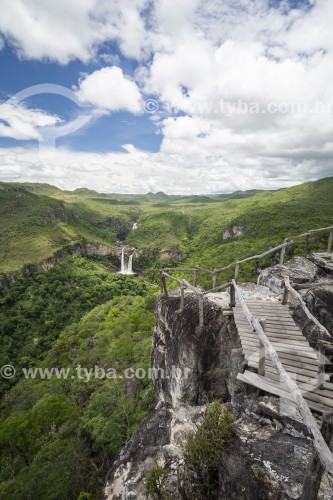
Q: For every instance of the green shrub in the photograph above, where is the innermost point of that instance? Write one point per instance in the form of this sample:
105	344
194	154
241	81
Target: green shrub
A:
154	483
205	446
85	496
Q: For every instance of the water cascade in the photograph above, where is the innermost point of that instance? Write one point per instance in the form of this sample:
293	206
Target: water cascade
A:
129	267
135	226
126	268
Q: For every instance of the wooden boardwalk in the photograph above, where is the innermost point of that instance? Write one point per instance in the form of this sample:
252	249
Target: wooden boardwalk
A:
298	358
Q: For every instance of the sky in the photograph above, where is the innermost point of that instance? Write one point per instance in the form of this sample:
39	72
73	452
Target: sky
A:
181	96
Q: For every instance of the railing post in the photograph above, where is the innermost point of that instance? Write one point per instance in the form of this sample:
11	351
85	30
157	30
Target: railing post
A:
330	239
321	363
201	311
283	251
164	289
236	271
306	245
232	296
181	297
196	276
214	280
285	295
262	353
315	470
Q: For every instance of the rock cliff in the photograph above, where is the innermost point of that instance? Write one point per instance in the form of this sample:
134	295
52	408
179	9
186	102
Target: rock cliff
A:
268	451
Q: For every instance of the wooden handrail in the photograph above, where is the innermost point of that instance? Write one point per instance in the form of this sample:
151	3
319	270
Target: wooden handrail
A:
319	443
197	269
236	264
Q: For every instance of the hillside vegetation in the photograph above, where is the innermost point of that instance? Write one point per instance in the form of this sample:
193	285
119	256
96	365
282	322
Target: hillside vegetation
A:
38	219
60	434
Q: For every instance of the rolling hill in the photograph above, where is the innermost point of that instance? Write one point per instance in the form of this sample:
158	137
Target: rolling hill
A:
38	219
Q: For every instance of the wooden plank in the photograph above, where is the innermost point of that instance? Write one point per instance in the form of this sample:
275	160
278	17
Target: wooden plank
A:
300	348
321	447
250	349
250	343
268	386
248	335
313	396
288	340
265	302
286	331
262	312
269	312
287	337
277	322
299	364
300	378
282	351
278	334
294	369
317	391
272	321
291	358
277	327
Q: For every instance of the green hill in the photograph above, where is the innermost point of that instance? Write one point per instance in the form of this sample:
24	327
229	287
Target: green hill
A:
38	219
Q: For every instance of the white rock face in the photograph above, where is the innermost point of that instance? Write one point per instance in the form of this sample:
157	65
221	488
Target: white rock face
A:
233	231
267	455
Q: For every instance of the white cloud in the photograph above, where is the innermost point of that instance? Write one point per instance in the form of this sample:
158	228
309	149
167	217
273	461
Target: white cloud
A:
18	122
108	89
194	55
65	30
140	172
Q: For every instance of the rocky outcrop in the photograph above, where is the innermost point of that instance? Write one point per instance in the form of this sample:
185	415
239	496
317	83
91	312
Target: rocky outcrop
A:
266	456
171	255
191	366
324	261
198	359
77	250
299	270
319	301
232	231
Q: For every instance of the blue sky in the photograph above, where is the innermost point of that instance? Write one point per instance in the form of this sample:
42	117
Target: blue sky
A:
108	133
225	78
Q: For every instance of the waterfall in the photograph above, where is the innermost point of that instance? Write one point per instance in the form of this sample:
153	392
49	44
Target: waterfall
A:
135	226
126	268
129	267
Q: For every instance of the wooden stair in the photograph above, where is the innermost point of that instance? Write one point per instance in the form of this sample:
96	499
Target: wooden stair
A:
298	358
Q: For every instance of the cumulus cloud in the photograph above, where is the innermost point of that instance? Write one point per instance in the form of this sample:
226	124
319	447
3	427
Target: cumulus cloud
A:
66	30
19	122
256	97
109	90
244	89
136	171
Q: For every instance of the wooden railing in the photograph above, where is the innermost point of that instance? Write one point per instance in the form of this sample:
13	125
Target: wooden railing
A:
213	274
323	332
266	347
185	284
